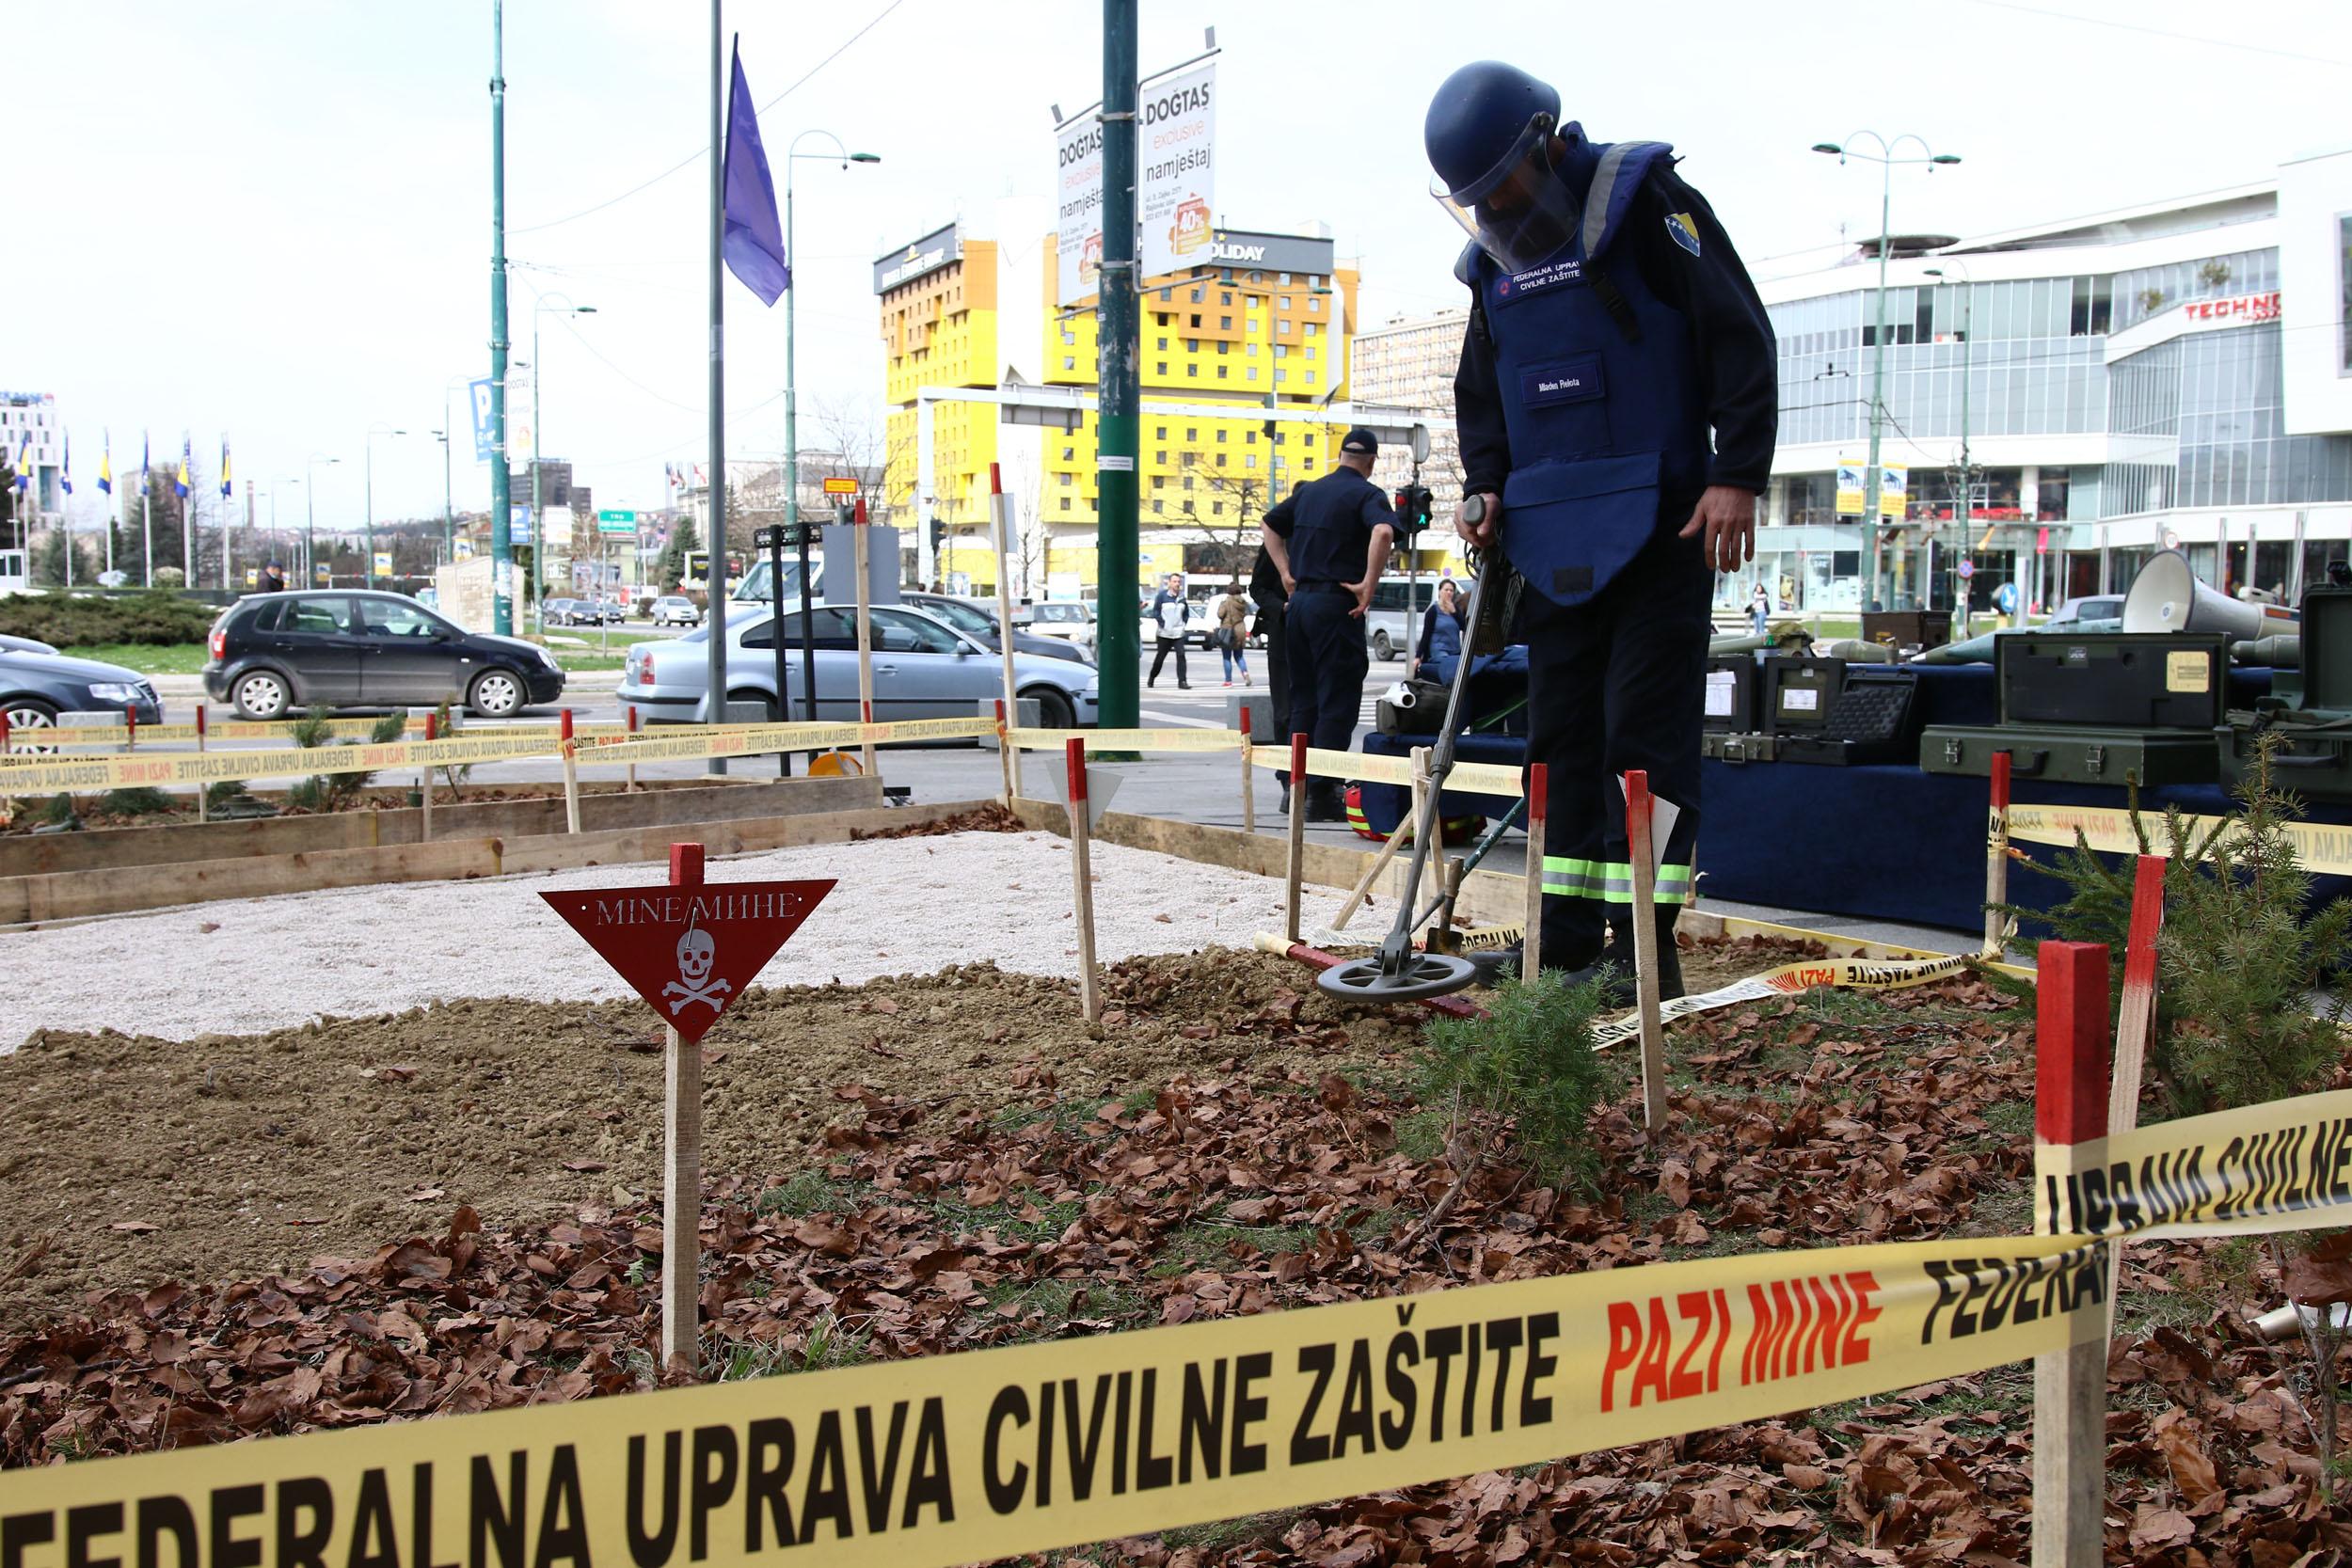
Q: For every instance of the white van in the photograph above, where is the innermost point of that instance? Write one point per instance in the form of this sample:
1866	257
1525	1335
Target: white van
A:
1392	622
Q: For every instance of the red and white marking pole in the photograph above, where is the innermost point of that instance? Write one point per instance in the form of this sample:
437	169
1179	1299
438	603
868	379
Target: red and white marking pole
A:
1294	859
1082	878
203	791
1531	940
1638	850
683	1172
2070	1386
1248	783
1996	861
129	727
864	633
8	803
571	776
1000	522
424	777
628	781
1004	753
2136	1020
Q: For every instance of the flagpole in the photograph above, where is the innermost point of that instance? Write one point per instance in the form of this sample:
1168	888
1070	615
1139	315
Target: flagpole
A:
501	492
717	577
147	518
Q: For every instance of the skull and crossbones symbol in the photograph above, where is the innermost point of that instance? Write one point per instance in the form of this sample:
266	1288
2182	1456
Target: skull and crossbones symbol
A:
696	952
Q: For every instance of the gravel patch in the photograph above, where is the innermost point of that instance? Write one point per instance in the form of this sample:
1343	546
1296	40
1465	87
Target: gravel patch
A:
904	907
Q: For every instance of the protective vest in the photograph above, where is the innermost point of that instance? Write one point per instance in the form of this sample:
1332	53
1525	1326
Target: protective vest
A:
1600	387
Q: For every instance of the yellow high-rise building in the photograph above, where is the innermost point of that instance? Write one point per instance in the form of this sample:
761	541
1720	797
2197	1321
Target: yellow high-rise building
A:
1266	321
939	328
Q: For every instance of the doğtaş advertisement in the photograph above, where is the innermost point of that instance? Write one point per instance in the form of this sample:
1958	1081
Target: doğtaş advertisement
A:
1175	190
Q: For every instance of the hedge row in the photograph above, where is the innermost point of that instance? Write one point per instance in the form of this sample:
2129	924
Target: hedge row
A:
70	620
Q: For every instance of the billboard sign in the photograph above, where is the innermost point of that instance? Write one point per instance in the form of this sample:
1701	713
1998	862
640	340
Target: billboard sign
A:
927	254
1176	152
1078	207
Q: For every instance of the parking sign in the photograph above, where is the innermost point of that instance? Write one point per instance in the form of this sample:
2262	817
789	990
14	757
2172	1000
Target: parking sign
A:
478	394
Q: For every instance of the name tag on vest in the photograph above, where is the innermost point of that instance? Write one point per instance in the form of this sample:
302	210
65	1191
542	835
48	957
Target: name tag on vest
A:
1575	380
1535	279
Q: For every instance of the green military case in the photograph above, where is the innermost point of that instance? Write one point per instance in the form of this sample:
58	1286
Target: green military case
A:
2068	753
2310	710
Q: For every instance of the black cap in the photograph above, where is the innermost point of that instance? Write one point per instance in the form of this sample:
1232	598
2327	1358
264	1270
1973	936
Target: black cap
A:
1360	439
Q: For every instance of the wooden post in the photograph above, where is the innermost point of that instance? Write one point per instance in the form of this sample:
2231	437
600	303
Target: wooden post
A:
203	790
2070	1386
628	781
1248	783
2134	1022
682	1172
424	824
8	803
1005	752
571	776
1637	835
1538	807
865	635
1295	860
1996	861
1082	875
130	728
1000	523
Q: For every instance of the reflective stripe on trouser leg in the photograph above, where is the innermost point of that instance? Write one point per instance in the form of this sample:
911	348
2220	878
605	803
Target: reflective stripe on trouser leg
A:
1612	882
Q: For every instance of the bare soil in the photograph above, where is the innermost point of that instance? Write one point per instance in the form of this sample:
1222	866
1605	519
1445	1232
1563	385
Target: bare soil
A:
132	1160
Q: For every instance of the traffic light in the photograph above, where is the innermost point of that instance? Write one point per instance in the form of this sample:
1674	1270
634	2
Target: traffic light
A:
1412	508
939	538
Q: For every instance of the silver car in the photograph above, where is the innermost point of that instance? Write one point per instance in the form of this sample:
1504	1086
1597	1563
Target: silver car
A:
923	669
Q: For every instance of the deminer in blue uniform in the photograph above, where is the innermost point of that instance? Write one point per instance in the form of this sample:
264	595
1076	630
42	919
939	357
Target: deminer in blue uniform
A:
1329	540
1616	402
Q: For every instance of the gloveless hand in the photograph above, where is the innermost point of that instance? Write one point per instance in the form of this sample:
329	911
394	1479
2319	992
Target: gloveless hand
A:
1362	591
1726	515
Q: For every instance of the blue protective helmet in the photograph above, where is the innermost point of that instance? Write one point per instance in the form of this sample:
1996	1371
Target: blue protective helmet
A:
1482	123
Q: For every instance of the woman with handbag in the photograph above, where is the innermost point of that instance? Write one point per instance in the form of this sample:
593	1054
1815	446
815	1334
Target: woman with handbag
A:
1233	616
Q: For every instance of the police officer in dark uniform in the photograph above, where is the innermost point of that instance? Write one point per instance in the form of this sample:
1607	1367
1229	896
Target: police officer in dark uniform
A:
1330	541
1617	405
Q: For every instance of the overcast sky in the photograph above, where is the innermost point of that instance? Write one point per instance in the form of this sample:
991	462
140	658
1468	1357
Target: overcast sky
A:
273	219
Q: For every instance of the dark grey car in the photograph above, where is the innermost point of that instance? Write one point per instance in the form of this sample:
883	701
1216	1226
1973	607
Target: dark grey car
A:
35	688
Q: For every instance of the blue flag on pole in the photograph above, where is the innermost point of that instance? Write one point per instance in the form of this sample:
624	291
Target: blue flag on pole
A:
754	245
65	466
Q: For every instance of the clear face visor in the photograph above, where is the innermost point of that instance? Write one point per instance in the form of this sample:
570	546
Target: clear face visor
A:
1519	212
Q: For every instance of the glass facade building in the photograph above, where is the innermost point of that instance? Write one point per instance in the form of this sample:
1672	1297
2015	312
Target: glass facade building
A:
2119	385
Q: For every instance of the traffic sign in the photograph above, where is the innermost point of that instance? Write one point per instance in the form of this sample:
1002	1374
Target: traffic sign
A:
1966	569
689	950
610	516
840	486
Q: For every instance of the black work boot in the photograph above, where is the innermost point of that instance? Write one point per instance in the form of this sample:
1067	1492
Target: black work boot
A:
1325	804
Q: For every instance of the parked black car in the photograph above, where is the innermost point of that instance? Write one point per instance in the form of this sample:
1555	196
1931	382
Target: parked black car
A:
274	652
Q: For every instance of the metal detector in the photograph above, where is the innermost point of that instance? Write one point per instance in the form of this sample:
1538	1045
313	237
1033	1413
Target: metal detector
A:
1400	972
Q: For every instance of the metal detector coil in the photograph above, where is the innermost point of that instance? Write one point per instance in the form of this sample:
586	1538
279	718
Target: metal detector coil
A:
1400	972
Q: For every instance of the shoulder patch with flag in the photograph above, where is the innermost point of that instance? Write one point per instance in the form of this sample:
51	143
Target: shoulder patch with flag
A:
1685	232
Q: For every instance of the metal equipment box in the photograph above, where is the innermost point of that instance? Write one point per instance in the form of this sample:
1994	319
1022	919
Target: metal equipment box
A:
2073	753
1731	694
2128	680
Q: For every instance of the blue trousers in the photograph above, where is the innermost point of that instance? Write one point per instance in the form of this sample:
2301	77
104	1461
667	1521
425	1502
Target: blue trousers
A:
1327	665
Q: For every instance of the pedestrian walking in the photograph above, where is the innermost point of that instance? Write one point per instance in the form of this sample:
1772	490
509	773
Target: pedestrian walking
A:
1169	611
1329	539
1232	632
1616	402
1759	609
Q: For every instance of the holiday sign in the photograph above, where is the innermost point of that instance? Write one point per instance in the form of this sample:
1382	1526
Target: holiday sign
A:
689	948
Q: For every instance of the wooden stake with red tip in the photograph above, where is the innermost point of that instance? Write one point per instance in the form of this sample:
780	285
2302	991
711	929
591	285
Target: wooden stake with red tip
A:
1294	859
1538	809
571	775
431	733
1996	861
864	557
1645	866
2070	1386
1082	875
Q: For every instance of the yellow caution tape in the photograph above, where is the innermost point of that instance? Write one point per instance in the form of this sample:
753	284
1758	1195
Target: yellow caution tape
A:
1787	980
1472	777
2283	1166
1129	740
2320	846
993	1453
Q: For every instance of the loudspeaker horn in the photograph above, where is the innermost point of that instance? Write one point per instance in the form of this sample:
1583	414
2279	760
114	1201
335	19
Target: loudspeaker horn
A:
2167	596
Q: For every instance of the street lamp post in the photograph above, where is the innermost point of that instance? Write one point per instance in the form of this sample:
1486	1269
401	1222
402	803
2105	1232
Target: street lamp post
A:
310	517
275	482
367	574
538	452
1886	161
1964	512
791	296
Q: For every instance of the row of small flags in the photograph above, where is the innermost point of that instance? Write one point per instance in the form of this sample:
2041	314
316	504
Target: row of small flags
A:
106	466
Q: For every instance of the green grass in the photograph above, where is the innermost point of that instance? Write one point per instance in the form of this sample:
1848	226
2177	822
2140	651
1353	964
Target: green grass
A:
147	658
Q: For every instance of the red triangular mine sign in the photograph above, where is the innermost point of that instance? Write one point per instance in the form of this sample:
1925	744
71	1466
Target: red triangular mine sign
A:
689	950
